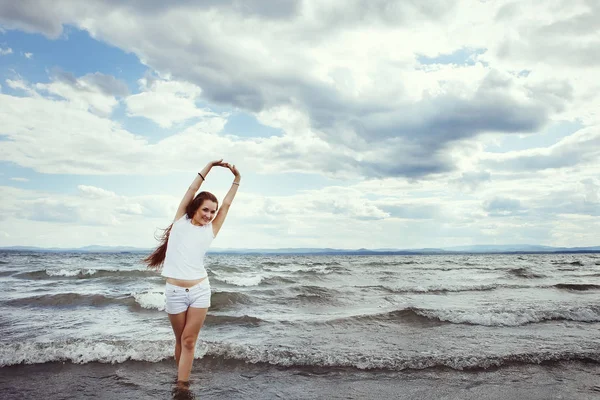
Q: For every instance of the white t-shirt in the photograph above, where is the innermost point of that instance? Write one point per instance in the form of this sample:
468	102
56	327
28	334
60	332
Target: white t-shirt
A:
186	249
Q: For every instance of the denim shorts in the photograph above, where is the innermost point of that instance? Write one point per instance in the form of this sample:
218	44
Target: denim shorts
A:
178	298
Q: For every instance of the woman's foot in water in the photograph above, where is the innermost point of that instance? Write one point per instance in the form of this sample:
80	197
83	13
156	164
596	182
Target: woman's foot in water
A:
181	391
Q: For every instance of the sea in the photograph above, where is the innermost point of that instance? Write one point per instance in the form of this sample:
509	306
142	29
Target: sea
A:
82	325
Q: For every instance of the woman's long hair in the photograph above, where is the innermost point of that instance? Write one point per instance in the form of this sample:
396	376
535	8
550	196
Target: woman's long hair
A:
157	258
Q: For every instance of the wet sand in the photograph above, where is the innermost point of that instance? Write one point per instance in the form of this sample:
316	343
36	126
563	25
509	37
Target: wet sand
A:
212	380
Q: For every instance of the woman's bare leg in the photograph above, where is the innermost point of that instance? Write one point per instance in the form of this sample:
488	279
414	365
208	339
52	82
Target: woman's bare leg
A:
194	321
178	323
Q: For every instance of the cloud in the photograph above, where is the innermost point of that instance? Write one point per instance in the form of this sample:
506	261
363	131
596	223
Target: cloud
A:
21	85
166	102
407	94
350	96
502	206
95	92
411	210
580	148
92	206
581	199
566	34
52	210
473	179
51	135
28	55
18	179
39	16
4	52
350	68
56	136
95	192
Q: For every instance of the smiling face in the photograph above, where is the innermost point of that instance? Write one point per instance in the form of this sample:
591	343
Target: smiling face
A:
205	213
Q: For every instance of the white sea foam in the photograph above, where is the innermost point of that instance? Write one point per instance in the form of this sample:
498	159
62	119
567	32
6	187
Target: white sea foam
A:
150	300
242	280
444	288
86	351
513	317
391	361
70	272
83	351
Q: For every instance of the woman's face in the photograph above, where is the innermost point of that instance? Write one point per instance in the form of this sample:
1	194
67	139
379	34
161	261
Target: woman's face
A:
206	212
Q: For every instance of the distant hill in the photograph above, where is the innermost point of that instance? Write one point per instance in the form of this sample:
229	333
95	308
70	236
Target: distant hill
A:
475	249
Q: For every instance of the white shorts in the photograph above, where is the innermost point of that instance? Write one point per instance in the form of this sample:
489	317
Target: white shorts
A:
178	298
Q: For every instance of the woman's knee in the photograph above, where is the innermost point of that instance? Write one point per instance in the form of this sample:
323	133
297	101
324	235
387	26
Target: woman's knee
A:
188	342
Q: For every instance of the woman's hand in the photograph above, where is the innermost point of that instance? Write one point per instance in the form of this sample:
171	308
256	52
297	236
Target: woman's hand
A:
217	163
233	170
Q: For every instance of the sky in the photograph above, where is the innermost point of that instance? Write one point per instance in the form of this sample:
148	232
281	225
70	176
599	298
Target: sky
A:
354	123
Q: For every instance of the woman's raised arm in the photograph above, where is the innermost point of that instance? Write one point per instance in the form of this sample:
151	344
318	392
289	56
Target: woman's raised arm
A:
191	192
222	213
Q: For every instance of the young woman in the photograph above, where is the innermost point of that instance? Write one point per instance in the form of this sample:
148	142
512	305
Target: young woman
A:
181	254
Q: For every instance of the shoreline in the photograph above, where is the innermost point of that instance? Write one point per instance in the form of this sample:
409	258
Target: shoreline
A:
217	380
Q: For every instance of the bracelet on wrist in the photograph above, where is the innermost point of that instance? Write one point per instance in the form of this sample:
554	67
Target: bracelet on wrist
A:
201	176
235	183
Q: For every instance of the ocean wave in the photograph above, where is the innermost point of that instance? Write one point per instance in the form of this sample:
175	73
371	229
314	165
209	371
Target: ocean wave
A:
68	299
574	263
446	269
149	300
411	315
308	269
437	289
83	351
300	264
273	263
315	294
500	317
388	263
85	273
278	280
396	362
244	320
512	317
441	289
136	301
217	267
322	263
87	351
524	273
249	280
577	286
221	300
584	275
